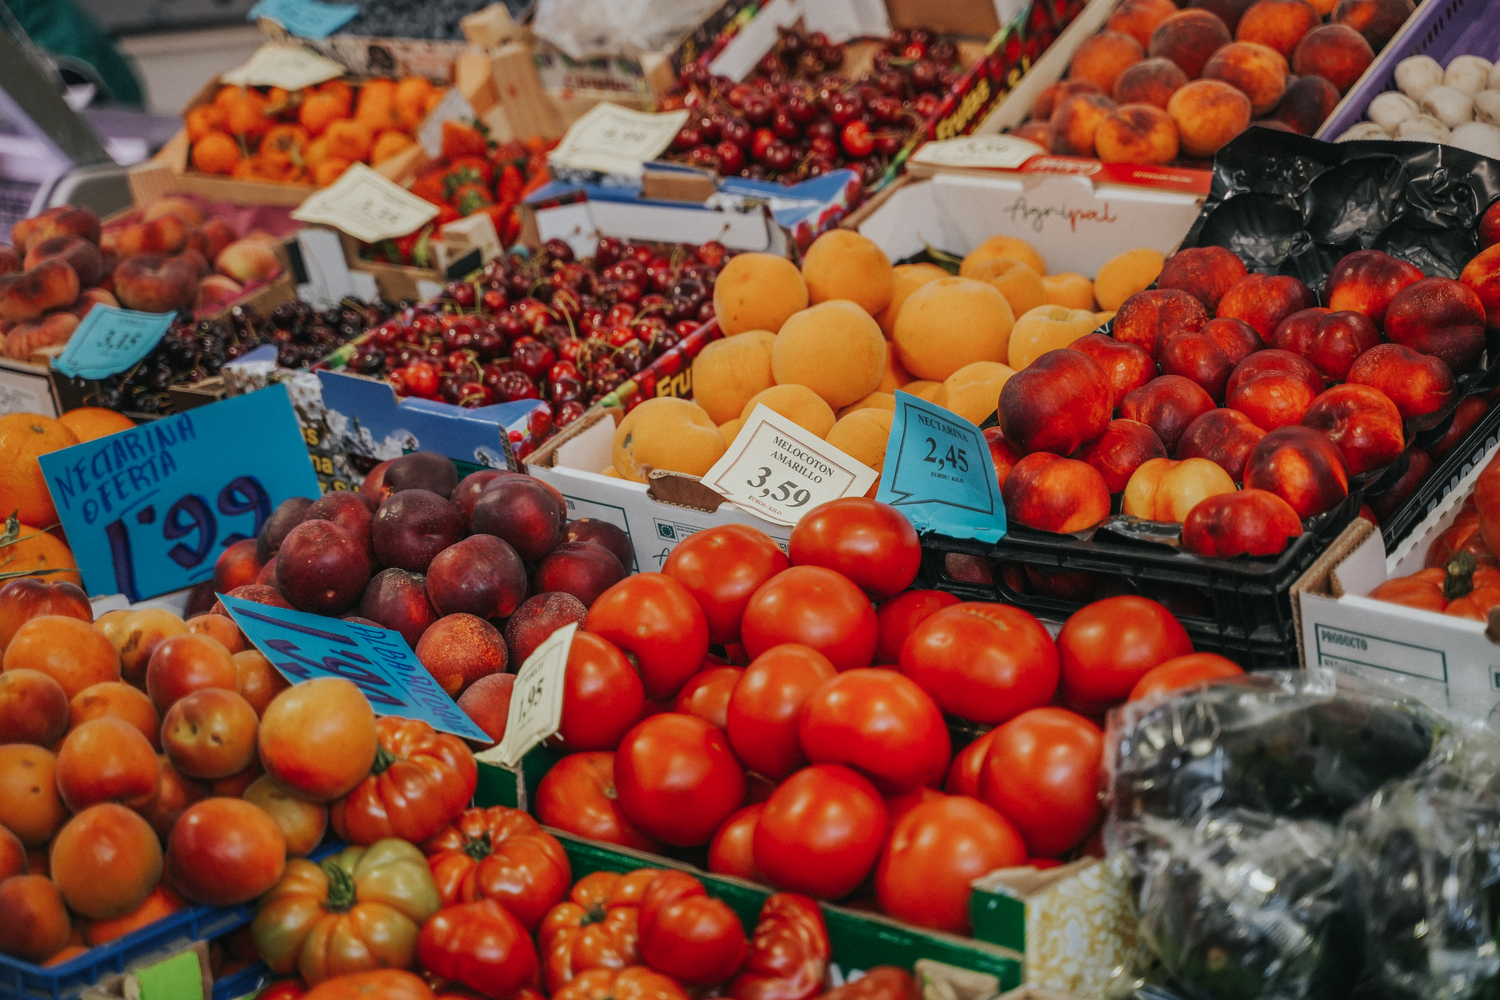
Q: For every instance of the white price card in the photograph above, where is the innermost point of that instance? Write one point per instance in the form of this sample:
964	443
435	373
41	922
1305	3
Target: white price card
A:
779	471
536	701
288	66
616	140
453	107
367	206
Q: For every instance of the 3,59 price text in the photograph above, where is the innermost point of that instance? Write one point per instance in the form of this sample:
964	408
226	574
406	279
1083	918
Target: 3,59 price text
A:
783	492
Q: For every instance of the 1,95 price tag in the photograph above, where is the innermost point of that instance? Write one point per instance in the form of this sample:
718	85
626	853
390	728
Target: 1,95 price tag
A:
938	471
536	701
149	510
111	340
779	471
367	206
376	660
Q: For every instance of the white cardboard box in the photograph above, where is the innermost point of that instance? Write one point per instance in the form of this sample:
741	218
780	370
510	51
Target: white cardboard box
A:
1074	223
1448	662
656	517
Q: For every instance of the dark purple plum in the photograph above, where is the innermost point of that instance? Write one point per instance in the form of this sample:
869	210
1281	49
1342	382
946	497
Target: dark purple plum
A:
322	568
538	618
583	569
524	511
398	599
288	514
469	488
350	510
611	536
413	526
481	575
422	470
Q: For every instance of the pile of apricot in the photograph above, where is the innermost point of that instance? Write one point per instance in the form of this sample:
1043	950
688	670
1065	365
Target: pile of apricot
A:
307	136
1165	85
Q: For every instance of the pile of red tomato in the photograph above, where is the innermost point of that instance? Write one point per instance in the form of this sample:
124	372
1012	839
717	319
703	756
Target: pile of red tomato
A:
812	760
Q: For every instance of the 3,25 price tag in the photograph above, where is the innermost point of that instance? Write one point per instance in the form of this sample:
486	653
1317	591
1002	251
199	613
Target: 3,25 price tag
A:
536	700
938	470
778	471
111	340
150	509
377	660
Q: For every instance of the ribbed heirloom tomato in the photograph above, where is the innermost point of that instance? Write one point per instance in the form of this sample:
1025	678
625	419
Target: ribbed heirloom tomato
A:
420	780
598	927
1106	646
869	542
480	945
982	662
687	935
634	983
816	607
656	622
677	778
1042	774
578	795
722	567
503	854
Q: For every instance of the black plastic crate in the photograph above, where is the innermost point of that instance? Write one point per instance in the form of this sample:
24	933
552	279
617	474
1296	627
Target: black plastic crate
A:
1240	608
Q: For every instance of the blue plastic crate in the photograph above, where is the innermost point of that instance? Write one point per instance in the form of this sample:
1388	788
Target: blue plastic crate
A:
1442	29
244	982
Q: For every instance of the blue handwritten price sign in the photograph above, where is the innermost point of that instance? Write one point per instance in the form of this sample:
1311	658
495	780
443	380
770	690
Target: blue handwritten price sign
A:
939	473
111	340
308	18
377	660
150	509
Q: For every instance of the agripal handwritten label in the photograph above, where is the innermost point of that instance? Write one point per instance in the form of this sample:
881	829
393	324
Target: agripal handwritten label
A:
367	206
110	341
778	471
377	660
149	510
308	18
938	470
537	699
290	67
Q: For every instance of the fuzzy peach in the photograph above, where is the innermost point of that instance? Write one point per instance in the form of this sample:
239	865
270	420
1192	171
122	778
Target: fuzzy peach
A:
874	401
842	264
1258	71
1208	114
950	323
1150	81
905	279
834	348
1069	289
1336	52
1188	38
1103	57
863	435
1123	275
1046	328
1377	20
1278	23
797	403
666	433
757	291
1307	103
1138	18
1022	287
1136	133
1002	246
1050	97
1074	124
729	371
972	392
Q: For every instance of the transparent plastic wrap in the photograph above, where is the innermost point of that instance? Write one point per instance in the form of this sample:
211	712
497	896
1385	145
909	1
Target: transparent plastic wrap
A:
1421	871
1302	744
588	29
1245	906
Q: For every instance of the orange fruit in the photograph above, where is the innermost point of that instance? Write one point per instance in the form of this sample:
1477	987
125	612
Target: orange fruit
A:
349	139
23	488
202	120
216	153
388	144
329	170
39	550
411	100
90	422
376	106
319	111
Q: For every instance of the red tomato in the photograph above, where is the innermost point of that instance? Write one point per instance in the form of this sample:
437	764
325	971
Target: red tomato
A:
420	780
1106	646
732	851
789	953
578	795
1042	773
283	989
1042	864
935	851
696	940
821	831
677	778
656	622
963	774
816	607
602	695
480	945
765	705
706	694
881	723
897	617
1184	672
899	805
982	662
868	541
722	567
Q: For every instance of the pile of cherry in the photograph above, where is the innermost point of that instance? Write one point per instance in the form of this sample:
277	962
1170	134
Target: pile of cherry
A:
795	117
546	325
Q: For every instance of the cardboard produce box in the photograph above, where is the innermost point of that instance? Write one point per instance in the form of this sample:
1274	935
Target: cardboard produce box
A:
1451	663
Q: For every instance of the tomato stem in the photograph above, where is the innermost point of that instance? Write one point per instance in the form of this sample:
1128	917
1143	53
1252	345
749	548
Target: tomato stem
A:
1460	578
340	888
478	847
383	760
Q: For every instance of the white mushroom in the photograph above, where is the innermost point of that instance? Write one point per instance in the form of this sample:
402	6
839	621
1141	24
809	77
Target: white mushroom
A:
1471	74
1449	106
1390	109
1479	138
1495	78
1417	75
1487	107
1364	130
1423	127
